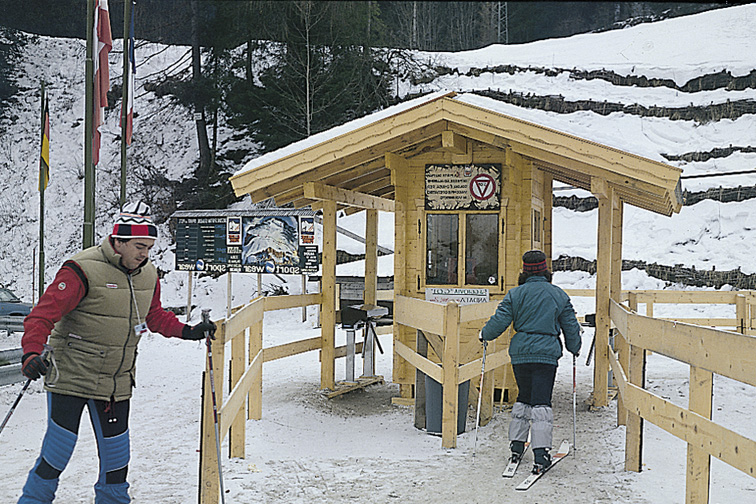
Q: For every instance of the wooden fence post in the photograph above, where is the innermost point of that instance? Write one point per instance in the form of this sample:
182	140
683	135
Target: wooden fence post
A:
236	367
634	422
699	462
450	364
740	313
254	400
209	492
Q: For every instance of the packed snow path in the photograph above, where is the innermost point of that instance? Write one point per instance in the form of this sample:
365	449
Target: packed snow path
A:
360	448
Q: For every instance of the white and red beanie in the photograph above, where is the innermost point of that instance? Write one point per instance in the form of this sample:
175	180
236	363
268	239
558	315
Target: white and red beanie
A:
134	221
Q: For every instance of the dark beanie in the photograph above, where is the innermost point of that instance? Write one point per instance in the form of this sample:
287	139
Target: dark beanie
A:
534	261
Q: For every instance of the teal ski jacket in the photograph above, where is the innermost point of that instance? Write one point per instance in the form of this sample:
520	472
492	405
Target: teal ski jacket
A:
539	312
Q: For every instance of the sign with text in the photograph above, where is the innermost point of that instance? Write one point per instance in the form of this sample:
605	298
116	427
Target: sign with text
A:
462	187
245	244
459	296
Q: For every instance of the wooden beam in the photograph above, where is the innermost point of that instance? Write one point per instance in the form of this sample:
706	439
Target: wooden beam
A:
423	364
454	143
318	191
293	348
275	179
328	300
722	352
370	291
698	472
450	367
420	314
586	152
694	429
603	293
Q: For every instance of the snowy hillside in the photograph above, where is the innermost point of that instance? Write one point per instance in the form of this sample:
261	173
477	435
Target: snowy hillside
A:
359	448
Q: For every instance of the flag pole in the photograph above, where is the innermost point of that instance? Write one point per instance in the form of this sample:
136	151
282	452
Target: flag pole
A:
89	172
42	185
125	96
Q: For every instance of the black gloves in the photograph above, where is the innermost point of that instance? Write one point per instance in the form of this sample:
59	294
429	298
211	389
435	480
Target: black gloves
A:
198	332
33	365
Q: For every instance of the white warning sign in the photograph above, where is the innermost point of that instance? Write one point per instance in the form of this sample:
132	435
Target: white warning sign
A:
462	187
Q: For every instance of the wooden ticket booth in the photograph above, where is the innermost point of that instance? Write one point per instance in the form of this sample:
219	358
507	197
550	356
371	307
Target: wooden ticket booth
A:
471	190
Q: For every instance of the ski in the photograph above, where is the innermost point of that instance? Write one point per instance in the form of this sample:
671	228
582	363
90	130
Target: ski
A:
564	450
511	468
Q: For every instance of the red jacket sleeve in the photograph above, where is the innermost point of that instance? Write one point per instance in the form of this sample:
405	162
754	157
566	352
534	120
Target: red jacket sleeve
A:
160	320
61	296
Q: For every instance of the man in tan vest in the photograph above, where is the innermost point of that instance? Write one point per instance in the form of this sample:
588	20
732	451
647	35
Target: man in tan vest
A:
100	304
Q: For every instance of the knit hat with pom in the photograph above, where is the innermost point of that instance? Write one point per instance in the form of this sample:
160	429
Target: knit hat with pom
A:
134	221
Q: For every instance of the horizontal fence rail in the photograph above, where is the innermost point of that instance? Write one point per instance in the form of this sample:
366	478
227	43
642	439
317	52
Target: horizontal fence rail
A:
709	352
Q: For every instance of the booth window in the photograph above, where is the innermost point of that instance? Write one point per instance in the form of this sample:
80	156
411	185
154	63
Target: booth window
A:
442	249
481	249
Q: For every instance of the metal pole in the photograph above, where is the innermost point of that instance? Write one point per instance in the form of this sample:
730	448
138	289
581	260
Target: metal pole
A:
125	94
89	172
41	285
206	318
15	403
480	395
574	402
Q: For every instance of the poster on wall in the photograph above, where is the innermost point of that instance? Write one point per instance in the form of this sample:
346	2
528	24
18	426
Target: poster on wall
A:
462	187
270	245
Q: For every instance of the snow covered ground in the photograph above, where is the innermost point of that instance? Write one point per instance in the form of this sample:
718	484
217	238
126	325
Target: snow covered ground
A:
358	447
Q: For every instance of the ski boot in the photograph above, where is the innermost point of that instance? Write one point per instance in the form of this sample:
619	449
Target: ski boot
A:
517	448
542	460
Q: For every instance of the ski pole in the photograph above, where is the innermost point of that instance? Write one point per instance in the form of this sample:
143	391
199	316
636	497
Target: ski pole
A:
44	356
206	318
574	402
15	403
480	395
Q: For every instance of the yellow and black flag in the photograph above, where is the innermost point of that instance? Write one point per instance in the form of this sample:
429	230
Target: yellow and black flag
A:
44	161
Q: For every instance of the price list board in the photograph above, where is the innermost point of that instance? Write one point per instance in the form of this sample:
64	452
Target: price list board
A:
201	245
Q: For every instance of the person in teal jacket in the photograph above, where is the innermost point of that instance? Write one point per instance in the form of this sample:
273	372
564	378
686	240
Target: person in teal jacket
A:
539	311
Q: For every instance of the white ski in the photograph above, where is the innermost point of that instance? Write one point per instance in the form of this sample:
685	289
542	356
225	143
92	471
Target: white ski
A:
511	468
564	450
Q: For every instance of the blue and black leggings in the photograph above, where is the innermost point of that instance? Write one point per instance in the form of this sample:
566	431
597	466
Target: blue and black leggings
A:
110	421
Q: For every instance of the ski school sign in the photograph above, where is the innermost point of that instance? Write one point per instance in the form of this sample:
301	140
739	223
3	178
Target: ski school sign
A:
260	241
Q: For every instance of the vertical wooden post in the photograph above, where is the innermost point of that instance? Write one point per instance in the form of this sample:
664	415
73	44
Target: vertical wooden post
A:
699	462
328	301
616	290
371	257
209	479
400	172
422	349
254	400
450	365
237	365
548	210
605	196
740	313
634	431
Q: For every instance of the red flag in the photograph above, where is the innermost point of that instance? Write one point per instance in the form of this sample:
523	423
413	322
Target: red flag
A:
131	89
103	43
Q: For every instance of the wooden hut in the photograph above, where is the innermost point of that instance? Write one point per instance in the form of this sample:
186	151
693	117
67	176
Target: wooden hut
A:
471	190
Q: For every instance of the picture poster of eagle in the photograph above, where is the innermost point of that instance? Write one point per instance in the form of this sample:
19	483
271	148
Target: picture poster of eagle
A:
270	244
462	187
